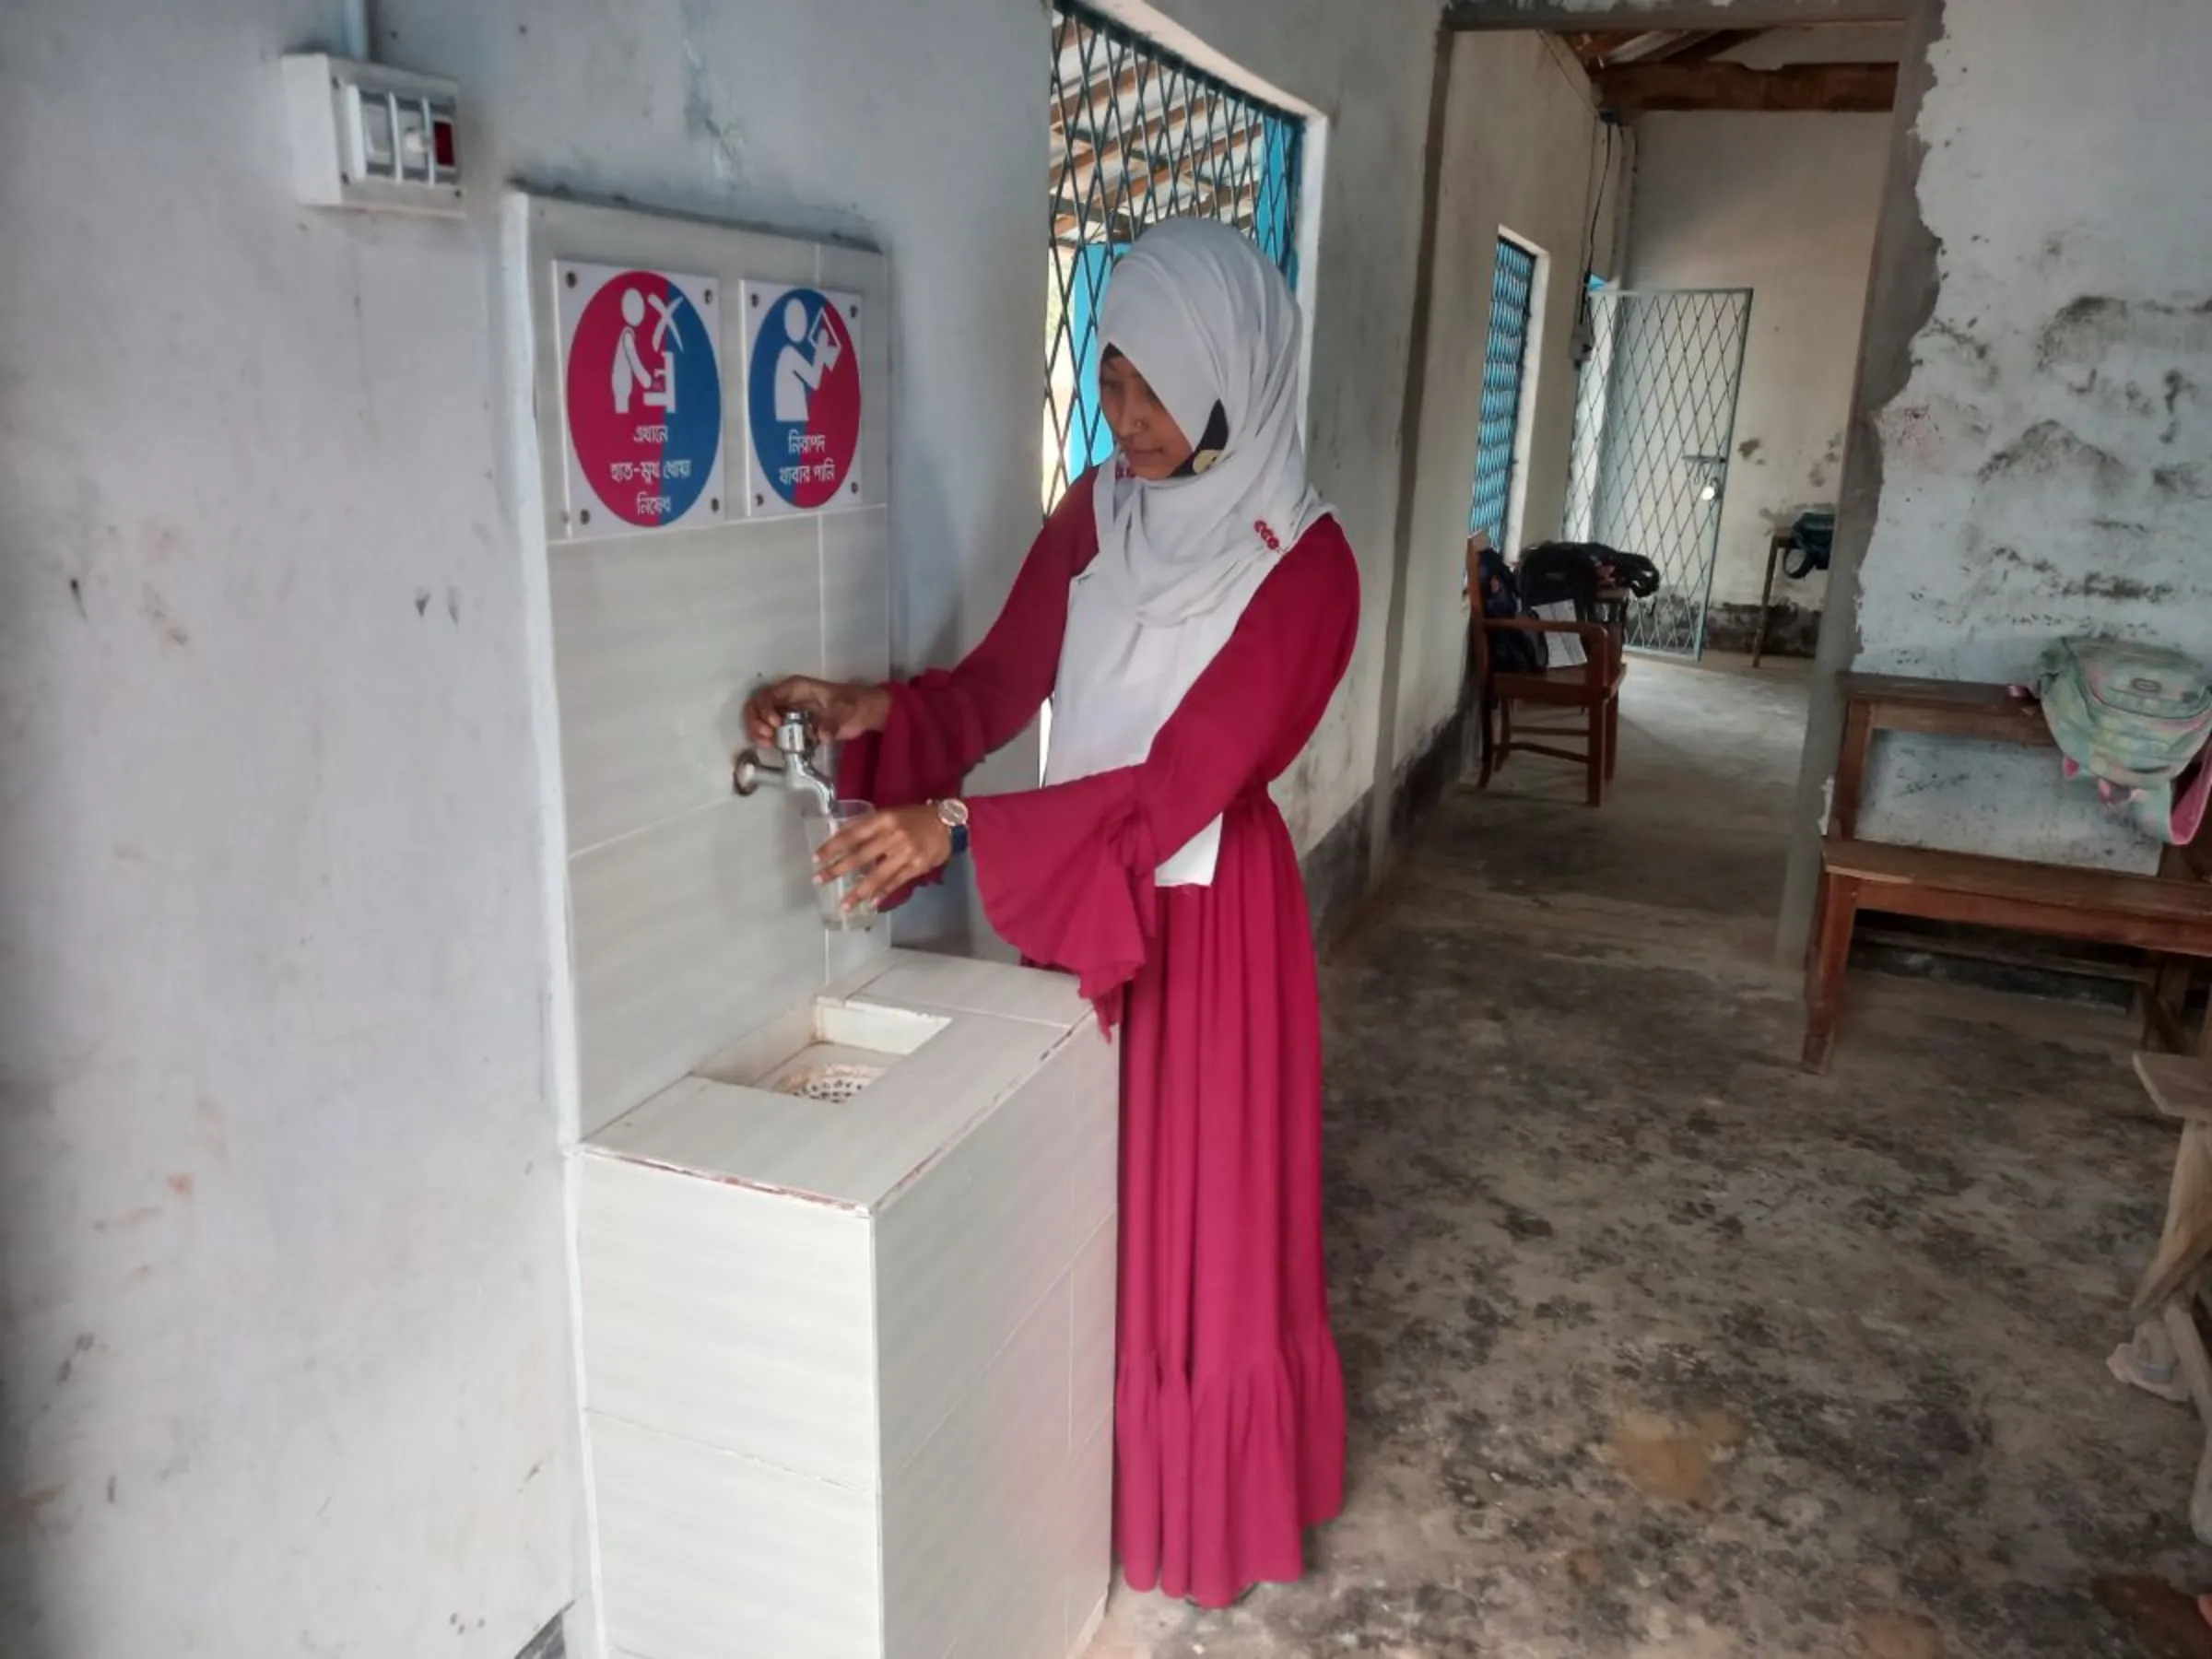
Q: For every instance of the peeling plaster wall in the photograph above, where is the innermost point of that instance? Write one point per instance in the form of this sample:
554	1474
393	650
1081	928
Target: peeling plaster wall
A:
1784	206
1522	152
2047	468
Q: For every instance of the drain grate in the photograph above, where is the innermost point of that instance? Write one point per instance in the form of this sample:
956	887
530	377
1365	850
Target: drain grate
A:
833	1083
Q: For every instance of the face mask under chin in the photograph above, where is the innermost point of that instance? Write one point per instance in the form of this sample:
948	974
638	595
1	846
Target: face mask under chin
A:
1211	444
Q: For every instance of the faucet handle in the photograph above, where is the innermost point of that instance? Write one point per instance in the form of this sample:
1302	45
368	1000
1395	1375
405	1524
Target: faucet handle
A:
794	735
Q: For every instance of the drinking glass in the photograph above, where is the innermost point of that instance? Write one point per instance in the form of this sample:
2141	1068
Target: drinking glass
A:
829	896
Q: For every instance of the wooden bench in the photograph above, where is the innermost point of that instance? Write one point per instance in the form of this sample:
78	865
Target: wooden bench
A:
1900	703
2064	900
2166	988
2166	1301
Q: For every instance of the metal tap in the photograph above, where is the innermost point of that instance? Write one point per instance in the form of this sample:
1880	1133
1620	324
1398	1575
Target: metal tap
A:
792	765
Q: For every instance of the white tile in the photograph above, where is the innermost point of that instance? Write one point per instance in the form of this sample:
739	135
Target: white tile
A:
920	980
1022	1621
762	1048
1091	1342
859	271
877	1026
857	595
850	983
687	934
962	1258
983	1505
618	236
1087	1071
1087	1566
735	1319
657	643
708	1555
857	1152
1086	1627
762	1052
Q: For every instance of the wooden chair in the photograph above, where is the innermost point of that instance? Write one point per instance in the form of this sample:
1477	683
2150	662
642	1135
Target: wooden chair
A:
2171	979
1592	689
2166	1301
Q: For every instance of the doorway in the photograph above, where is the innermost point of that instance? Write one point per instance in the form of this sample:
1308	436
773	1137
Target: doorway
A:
1654	421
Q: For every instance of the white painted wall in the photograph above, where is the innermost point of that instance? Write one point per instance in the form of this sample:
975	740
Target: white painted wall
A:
1524	152
1784	206
284	1346
283	1342
2047	467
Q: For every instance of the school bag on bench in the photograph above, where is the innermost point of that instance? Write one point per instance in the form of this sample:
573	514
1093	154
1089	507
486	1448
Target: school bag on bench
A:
2135	718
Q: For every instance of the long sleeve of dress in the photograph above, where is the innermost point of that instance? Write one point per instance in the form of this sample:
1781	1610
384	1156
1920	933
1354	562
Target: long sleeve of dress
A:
945	722
1066	871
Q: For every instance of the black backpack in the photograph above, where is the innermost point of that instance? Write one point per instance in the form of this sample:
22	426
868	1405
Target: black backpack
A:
1551	571
1513	650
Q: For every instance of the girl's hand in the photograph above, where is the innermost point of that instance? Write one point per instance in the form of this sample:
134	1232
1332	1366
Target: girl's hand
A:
896	848
839	711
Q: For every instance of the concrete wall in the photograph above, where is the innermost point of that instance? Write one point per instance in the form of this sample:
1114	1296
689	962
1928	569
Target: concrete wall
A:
1784	206
1524	152
2046	468
1367	71
284	1348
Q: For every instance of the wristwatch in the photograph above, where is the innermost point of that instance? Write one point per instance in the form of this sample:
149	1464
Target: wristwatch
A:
953	815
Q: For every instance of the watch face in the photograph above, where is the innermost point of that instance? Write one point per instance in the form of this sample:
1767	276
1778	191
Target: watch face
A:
953	814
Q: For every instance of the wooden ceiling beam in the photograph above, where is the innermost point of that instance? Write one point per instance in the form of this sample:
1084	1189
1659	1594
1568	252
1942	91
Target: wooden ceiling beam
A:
1094	100
1699	46
1833	89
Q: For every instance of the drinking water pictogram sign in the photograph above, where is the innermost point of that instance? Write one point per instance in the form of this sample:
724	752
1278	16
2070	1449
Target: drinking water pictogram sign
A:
642	396
802	398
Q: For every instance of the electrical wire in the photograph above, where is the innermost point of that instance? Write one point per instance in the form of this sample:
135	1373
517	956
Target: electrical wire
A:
1597	208
1578	82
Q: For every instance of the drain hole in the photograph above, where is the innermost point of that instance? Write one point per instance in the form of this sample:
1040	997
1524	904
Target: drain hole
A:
833	1083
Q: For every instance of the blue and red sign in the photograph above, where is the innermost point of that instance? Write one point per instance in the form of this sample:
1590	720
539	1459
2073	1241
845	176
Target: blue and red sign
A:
803	398
642	390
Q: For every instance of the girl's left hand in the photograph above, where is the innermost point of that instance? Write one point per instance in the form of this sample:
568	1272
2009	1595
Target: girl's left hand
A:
902	846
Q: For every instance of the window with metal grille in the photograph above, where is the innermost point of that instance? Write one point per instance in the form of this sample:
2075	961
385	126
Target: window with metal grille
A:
1138	135
1504	371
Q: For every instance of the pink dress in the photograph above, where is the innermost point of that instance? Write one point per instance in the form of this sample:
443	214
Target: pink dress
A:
1228	1425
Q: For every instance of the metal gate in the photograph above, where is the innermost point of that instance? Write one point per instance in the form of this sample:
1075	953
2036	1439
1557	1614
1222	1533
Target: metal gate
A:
1655	420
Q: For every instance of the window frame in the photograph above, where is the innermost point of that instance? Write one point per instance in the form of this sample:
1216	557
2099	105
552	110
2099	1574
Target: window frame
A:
1513	511
1174	106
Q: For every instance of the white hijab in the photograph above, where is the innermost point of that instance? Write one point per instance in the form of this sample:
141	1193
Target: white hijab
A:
1204	317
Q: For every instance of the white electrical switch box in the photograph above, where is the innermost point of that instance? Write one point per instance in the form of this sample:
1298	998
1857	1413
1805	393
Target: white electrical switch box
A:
367	136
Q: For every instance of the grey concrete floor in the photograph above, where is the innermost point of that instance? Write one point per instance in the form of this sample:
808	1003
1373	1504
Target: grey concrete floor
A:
1657	1348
